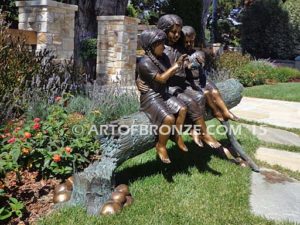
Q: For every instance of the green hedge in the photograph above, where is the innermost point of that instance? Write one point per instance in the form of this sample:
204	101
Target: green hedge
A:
293	9
266	32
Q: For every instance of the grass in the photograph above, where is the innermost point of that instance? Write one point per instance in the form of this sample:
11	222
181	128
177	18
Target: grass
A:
198	187
280	91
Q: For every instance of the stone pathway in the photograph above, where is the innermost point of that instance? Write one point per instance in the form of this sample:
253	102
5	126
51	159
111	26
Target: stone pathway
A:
275	112
275	196
273	135
289	160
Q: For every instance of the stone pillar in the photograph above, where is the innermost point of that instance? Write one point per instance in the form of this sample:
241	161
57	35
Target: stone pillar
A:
54	23
116	49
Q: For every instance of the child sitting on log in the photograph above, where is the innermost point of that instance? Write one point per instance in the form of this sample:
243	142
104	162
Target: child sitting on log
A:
163	110
197	62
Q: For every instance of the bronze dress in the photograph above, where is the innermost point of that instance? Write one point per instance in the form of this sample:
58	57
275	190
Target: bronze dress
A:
180	87
157	103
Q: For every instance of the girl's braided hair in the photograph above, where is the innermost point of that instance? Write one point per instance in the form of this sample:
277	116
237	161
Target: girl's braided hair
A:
148	39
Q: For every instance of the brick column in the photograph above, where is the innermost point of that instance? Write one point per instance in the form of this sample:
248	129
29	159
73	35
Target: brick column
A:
116	49
54	23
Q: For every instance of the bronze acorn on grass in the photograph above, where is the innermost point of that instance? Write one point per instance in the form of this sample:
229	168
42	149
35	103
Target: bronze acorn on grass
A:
70	183
62	192
110	208
122	188
62	196
119	197
129	201
61	188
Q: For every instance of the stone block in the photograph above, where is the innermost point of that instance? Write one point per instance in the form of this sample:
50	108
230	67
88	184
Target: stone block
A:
68	44
24	26
39	26
57	40
45	17
41	47
44	38
25	10
23	17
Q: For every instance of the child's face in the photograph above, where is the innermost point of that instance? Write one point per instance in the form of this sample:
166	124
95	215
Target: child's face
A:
174	34
158	48
189	41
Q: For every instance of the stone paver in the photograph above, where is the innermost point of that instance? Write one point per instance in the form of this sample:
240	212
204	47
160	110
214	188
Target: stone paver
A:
275	112
289	160
275	196
273	135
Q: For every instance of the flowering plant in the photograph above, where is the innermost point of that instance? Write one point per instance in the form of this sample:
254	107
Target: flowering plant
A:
48	146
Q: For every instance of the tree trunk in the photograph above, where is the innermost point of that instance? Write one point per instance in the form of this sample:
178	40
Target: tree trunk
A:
206	4
86	22
93	186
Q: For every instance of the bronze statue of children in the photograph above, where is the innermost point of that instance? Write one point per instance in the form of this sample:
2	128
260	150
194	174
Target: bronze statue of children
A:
163	110
172	24
211	92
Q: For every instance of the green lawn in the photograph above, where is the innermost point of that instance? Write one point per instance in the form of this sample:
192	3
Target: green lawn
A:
280	91
197	188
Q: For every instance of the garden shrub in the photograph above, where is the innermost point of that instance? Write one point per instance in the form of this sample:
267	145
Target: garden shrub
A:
88	54
266	32
112	102
293	9
232	61
261	72
27	78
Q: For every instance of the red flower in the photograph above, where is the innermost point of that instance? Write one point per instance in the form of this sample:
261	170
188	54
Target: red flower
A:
27	135
58	98
37	120
68	149
36	126
56	158
8	134
12	140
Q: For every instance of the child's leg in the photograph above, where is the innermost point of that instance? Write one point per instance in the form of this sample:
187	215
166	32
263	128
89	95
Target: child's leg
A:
179	125
222	106
209	99
163	137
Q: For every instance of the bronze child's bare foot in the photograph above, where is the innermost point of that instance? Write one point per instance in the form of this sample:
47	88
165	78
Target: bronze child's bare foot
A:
180	143
162	153
196	138
209	140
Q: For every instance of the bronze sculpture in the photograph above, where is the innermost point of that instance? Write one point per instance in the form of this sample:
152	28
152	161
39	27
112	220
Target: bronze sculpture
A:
155	69
200	82
194	99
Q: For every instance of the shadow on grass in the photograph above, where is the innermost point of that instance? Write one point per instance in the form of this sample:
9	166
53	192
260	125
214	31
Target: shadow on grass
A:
181	162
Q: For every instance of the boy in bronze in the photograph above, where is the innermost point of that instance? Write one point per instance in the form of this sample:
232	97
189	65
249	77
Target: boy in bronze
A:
155	69
200	81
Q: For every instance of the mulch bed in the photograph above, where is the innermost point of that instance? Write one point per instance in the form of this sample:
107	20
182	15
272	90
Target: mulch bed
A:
294	80
35	193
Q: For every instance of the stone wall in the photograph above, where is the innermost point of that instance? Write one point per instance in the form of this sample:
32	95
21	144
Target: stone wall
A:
116	49
54	23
